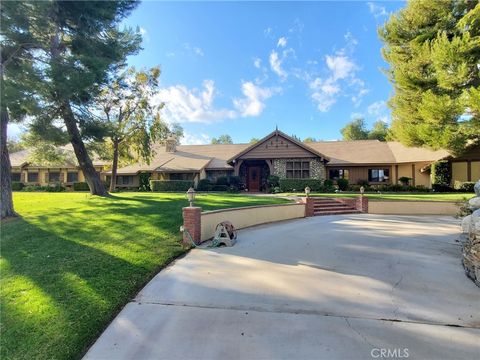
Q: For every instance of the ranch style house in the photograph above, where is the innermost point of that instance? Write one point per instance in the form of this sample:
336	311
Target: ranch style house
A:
377	162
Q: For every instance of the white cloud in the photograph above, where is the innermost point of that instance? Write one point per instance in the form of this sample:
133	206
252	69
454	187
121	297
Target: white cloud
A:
377	10
276	65
194	50
194	139
341	78
282	42
257	62
253	102
191	105
268	32
377	108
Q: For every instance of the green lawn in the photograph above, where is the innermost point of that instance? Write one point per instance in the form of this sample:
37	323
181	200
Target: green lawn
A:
399	196
71	261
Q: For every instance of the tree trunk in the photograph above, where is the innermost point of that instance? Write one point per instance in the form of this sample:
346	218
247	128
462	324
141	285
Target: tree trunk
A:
113	180
5	175
91	176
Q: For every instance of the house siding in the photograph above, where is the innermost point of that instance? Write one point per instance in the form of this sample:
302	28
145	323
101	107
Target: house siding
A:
317	167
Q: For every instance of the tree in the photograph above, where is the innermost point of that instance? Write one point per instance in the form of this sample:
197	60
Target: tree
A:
309	139
432	48
14	145
73	46
253	140
379	131
223	139
133	122
355	130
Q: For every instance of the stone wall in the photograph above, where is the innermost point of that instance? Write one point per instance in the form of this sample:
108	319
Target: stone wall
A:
317	168
471	243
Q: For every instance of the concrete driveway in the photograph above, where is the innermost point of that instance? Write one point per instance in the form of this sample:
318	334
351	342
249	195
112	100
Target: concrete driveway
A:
335	287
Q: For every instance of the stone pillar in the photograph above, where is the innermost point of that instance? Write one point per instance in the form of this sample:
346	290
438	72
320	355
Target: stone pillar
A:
309	206
362	204
192	222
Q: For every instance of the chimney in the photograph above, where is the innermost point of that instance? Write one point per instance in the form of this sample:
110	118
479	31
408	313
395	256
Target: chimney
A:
171	144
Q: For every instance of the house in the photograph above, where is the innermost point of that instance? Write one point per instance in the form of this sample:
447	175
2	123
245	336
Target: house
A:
67	172
276	154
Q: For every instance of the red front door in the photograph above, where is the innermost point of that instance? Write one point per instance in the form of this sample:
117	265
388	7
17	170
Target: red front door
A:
253	183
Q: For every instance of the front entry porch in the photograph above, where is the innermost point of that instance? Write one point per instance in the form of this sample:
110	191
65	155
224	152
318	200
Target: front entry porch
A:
254	174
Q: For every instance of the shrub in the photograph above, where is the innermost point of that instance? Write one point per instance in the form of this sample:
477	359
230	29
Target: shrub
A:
441	188
466	186
342	184
144	179
47	188
80	186
363	183
17	186
170	185
404	180
300	184
273	181
204	185
222	180
220	188
234	181
440	174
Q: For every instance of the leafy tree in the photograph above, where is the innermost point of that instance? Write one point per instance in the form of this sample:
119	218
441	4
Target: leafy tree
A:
379	131
132	120
73	46
253	140
355	130
14	145
309	139
223	139
433	51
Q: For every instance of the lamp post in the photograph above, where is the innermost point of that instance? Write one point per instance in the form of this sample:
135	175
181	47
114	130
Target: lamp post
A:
362	190
307	191
191	196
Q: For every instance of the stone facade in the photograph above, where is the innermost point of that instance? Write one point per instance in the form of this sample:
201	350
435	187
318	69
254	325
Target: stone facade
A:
471	245
317	168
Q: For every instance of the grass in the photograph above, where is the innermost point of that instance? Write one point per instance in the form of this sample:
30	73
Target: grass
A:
71	261
398	196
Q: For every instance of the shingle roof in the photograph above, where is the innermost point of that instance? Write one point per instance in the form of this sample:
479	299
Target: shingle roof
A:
22	157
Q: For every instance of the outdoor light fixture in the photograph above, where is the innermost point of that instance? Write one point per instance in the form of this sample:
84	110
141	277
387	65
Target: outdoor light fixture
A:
307	191
191	196
362	190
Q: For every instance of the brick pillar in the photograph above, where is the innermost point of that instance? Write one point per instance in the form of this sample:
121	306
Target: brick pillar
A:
362	204
309	206
192	223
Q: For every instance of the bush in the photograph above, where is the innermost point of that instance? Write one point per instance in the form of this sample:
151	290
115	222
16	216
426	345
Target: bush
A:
440	174
300	185
204	185
466	186
441	188
80	186
170	185
342	184
222	180
273	181
144	179
405	180
47	188
234	181
363	183
17	186
220	188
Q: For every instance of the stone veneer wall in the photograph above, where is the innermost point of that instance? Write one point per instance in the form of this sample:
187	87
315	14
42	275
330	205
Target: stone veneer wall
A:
317	168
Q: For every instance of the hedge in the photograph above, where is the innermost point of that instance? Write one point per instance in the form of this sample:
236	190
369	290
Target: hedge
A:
300	184
170	185
467	186
17	186
81	186
46	188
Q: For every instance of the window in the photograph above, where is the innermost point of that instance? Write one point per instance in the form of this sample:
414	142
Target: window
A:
378	175
72	177
32	177
125	180
16	177
181	176
54	177
336	174
298	170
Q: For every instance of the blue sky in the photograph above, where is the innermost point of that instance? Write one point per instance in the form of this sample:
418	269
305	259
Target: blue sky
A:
242	68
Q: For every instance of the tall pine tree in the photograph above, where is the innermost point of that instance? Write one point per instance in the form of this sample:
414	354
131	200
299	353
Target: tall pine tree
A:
433	48
73	46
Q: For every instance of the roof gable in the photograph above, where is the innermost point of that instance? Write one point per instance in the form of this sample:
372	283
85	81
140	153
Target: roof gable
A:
277	145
